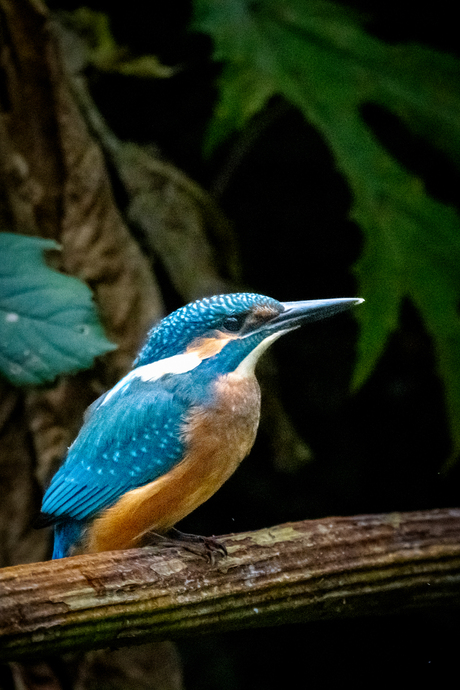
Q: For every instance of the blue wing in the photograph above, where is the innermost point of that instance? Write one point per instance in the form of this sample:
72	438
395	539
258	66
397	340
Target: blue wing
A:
128	440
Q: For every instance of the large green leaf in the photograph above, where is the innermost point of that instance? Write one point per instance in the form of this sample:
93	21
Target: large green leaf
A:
318	57
48	323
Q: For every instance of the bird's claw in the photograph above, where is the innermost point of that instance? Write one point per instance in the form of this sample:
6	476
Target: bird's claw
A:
206	547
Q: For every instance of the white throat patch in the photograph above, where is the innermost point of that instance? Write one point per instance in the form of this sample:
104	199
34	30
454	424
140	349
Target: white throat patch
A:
248	365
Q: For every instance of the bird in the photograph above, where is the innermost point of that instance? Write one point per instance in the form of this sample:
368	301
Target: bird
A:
168	435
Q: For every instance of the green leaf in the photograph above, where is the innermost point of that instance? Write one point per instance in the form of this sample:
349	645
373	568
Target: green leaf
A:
318	57
48	323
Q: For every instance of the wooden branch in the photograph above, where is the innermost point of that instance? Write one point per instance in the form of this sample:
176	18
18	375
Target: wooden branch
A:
330	568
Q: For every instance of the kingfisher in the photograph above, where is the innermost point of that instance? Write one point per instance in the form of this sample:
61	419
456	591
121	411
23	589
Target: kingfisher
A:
175	428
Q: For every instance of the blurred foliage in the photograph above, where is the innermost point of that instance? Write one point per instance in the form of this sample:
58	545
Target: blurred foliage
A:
48	323
105	54
316	55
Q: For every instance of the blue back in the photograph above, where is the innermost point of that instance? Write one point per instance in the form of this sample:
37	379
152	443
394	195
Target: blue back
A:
127	442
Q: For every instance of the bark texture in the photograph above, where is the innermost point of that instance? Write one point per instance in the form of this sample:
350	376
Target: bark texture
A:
330	568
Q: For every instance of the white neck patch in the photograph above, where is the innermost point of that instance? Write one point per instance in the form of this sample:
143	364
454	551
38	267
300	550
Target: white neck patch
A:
178	364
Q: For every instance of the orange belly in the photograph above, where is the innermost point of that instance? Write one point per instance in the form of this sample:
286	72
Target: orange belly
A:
216	439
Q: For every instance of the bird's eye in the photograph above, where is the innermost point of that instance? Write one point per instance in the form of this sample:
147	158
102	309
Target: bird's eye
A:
233	323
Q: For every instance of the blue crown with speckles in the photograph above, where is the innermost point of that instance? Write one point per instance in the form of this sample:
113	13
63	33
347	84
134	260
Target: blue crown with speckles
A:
174	333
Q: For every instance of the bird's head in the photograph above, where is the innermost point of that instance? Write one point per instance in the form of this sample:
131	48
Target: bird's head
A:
228	331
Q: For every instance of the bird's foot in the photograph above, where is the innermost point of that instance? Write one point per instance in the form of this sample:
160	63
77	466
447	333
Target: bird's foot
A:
209	547
206	547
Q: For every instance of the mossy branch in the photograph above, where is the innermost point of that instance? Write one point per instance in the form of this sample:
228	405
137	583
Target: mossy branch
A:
329	568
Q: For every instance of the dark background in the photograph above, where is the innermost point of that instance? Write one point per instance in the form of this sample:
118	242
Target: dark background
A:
378	450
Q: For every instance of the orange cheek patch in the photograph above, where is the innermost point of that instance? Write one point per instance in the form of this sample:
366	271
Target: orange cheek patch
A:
208	347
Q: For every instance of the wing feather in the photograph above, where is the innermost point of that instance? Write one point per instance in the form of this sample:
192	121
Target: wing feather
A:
127	441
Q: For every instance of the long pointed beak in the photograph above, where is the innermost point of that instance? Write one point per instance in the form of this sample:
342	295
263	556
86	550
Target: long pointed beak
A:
295	314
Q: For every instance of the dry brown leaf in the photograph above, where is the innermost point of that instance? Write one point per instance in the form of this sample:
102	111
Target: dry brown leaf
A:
56	185
181	223
20	495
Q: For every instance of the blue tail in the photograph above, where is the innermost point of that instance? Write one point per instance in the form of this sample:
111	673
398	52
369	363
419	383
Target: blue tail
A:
66	534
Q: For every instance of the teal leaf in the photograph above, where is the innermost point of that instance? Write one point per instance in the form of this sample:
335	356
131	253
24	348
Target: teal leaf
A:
48	322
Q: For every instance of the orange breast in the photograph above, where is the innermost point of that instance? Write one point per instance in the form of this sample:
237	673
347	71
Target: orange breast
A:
217	439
